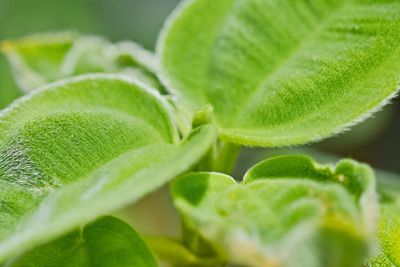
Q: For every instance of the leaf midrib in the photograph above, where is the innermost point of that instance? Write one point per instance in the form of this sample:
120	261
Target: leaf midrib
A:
306	117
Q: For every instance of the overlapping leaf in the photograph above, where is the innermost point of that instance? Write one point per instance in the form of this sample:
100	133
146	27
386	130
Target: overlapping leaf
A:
43	58
107	242
282	72
289	211
82	148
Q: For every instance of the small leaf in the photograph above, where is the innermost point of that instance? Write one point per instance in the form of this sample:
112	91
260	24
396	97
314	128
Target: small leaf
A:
107	242
325	216
282	72
39	59
83	148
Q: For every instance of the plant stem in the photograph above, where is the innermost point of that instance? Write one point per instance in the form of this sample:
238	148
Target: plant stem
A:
221	158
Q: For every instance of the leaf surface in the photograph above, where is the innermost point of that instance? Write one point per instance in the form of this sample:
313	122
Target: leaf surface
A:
107	242
83	148
282	72
276	218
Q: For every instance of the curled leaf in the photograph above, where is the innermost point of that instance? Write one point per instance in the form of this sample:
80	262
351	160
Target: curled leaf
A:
302	215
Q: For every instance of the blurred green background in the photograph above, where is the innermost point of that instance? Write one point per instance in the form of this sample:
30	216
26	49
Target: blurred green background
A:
139	20
377	141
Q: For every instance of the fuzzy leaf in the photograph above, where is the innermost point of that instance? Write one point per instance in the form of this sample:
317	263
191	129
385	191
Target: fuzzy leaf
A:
283	72
323	216
39	59
107	242
82	148
389	232
389	224
380	261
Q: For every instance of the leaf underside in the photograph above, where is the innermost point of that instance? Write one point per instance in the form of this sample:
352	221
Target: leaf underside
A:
275	218
281	72
82	148
107	242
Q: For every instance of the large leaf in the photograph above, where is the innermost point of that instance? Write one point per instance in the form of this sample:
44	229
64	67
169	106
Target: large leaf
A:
107	242
283	72
43	58
289	211
82	148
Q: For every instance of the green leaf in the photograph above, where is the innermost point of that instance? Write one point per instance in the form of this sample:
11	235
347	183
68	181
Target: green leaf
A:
302	215
380	261
106	242
389	227
357	178
389	224
82	148
389	231
39	59
282	72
